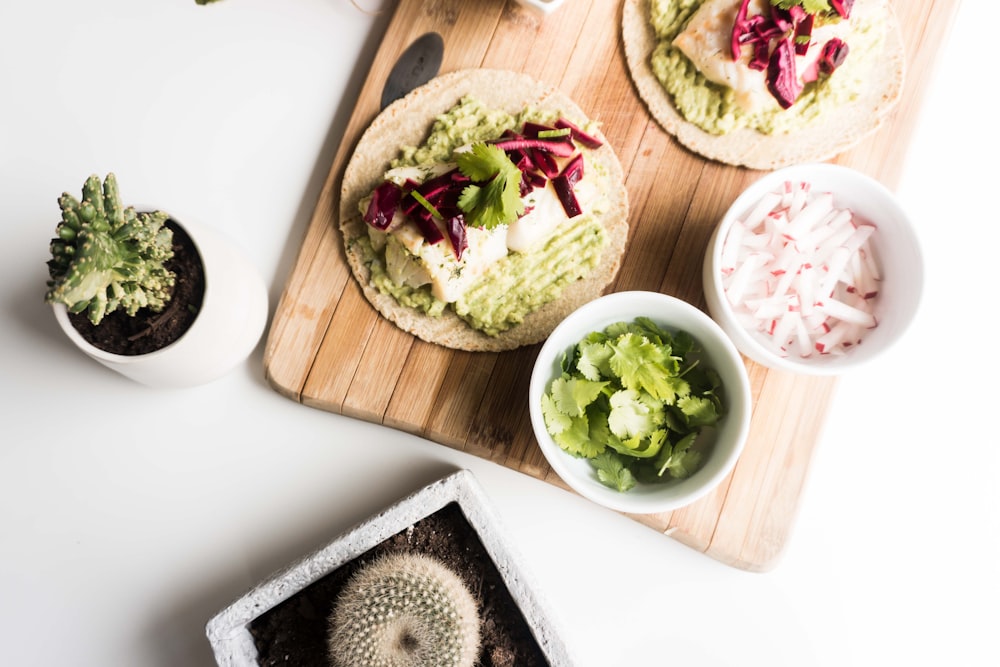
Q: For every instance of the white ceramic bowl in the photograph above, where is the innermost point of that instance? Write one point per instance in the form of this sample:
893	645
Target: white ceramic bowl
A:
719	353
895	245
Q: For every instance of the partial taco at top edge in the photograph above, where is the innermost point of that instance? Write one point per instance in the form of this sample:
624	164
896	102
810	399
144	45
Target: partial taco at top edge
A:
481	209
765	83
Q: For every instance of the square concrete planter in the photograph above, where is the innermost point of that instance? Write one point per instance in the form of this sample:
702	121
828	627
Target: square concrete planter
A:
234	632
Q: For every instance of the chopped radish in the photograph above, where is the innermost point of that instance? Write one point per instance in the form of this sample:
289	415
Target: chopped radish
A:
765	206
842	311
731	247
743	276
802	272
810	214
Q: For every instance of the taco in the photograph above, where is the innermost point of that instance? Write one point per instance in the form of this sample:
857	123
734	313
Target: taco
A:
804	88
485	261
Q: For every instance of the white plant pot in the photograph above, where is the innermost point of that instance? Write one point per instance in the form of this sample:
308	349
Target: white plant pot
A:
229	325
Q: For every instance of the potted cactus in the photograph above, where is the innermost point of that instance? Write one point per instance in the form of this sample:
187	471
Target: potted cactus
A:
405	608
164	302
440	582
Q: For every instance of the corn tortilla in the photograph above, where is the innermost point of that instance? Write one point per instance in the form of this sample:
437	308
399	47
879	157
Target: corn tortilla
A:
407	122
829	135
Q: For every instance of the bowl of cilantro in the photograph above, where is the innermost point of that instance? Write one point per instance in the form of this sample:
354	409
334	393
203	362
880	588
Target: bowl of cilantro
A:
640	402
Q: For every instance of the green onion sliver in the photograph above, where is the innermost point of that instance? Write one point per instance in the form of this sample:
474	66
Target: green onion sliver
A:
426	204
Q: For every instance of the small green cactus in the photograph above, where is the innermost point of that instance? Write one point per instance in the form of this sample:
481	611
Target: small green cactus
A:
106	257
404	610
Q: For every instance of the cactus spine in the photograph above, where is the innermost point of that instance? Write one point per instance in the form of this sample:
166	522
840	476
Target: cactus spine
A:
106	257
404	610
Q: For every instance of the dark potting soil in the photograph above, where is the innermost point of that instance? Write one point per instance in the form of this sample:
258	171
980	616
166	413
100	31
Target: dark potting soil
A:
294	632
147	331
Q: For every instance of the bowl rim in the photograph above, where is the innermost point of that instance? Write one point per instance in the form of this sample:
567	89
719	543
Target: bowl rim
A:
721	311
640	303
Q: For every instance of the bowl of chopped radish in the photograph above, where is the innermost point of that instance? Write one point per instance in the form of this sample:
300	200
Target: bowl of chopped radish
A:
814	269
640	402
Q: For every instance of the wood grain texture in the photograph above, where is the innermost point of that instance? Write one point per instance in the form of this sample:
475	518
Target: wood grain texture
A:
327	348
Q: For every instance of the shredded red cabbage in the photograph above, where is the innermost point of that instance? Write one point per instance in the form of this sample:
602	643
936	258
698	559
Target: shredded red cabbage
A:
782	19
740	28
803	33
546	163
842	7
564	182
530	130
761	54
424	221
456	234
833	55
776	37
781	77
574	169
382	206
537	157
439	186
531	180
559	146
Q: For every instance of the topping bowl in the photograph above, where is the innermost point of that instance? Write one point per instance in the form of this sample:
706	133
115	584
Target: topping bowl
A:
882	290
721	445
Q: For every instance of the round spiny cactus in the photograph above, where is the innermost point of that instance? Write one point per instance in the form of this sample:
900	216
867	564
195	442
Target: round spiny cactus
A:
106	257
404	610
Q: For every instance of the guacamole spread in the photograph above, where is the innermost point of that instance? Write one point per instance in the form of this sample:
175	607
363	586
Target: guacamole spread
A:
714	108
519	282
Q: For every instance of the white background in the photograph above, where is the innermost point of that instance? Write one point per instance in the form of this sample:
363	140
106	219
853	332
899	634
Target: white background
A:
117	543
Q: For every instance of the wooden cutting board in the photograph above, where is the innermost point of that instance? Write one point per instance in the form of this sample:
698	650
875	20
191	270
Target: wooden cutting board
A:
328	349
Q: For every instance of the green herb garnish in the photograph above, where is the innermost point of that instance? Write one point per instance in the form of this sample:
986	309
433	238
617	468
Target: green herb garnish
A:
810	6
494	197
612	472
426	204
634	399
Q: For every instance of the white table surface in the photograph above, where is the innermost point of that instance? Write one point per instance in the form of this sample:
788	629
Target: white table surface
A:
118	542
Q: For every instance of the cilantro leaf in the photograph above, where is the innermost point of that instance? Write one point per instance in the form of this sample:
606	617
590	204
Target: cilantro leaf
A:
494	196
642	365
634	413
681	460
698	411
571	433
576	439
651	330
674	420
593	360
683	344
612	472
572	395
619	329
639	447
555	420
600	432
